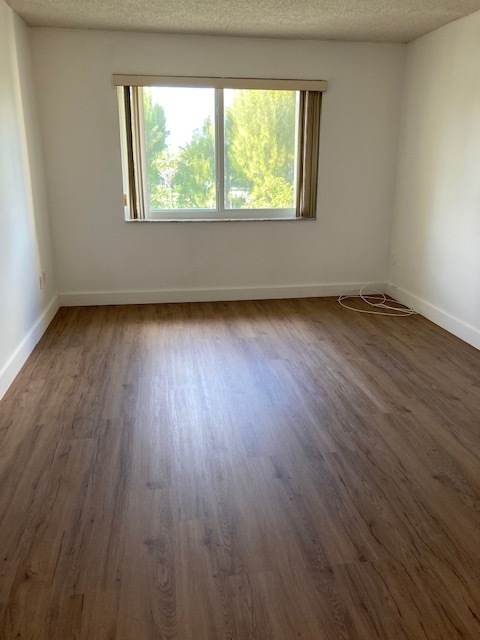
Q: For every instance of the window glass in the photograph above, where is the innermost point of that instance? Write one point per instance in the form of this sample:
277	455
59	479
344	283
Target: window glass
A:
179	131
260	148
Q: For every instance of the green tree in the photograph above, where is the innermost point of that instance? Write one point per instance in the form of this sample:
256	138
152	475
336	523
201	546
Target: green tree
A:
259	155
260	148
194	180
163	195
155	124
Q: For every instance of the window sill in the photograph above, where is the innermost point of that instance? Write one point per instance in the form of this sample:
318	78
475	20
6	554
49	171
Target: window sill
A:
183	220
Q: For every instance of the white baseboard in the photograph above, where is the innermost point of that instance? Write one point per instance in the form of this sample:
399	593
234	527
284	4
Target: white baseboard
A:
92	298
445	320
10	370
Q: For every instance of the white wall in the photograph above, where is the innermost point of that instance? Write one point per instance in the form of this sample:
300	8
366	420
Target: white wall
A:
436	236
25	310
96	251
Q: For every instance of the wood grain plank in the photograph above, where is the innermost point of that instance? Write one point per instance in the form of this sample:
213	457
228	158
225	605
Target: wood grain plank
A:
248	470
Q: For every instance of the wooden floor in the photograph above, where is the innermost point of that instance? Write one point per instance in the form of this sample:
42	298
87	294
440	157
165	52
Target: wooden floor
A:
255	470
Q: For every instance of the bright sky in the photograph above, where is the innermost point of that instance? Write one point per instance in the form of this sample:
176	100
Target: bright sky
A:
185	109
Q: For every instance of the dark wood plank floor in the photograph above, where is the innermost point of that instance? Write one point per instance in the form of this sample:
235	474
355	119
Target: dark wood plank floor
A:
254	470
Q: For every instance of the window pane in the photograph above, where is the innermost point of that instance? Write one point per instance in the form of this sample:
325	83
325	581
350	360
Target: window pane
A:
179	126
260	149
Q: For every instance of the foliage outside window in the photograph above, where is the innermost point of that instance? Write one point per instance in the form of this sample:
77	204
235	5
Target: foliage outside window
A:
215	153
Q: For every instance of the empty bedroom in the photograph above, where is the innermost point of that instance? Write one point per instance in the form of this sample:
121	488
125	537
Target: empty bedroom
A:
239	320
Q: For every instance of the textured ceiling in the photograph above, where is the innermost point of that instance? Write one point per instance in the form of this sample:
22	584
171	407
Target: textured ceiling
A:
354	20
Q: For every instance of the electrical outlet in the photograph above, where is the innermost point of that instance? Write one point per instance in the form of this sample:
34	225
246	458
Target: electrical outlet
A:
42	280
393	258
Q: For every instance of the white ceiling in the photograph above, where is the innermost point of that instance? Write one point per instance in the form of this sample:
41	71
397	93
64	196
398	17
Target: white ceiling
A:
354	20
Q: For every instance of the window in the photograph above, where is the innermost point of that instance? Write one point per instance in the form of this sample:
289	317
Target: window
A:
219	148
